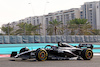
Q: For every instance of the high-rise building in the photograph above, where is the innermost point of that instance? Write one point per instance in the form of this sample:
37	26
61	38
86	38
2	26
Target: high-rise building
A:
62	16
36	20
91	12
98	15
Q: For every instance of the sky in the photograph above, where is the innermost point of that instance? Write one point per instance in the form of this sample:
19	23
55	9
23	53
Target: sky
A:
14	10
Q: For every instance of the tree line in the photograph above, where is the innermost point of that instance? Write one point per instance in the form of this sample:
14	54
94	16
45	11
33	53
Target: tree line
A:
72	27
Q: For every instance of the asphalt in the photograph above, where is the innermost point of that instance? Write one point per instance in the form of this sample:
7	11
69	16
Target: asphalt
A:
9	62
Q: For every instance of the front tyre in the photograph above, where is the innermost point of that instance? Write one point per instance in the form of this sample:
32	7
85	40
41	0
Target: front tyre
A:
87	54
41	54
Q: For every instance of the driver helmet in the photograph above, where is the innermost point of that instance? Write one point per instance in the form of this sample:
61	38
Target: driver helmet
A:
59	44
26	48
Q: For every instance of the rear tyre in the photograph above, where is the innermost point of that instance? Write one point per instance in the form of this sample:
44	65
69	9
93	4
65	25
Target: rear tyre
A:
87	54
41	54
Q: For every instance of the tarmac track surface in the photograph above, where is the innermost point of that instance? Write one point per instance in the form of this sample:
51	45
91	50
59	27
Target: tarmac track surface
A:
8	62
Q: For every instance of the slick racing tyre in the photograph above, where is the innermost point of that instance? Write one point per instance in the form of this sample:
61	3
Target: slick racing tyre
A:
87	54
41	54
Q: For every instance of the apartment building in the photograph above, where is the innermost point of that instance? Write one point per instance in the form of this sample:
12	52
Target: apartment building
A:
98	15
14	25
36	20
62	16
70	14
91	11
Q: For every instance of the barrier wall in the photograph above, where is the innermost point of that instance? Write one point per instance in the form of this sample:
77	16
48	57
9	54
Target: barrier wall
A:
25	39
36	39
53	39
58	38
63	38
86	38
12	39
6	39
95	38
31	39
42	39
49	39
68	38
19	39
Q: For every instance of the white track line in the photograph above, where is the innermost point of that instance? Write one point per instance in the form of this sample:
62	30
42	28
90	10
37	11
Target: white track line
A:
96	54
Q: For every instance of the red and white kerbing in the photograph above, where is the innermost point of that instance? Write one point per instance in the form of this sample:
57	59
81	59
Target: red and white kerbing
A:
1	56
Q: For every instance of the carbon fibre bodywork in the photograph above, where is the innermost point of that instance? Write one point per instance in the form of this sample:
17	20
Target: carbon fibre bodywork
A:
64	51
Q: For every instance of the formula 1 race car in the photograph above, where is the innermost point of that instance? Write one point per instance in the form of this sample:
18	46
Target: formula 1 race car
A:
62	51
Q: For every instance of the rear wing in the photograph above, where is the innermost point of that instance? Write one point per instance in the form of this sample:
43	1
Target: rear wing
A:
85	46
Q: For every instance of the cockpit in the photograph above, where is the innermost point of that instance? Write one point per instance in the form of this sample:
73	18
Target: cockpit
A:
63	45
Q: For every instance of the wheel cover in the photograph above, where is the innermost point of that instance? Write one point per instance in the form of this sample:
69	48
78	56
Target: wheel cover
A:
42	55
89	54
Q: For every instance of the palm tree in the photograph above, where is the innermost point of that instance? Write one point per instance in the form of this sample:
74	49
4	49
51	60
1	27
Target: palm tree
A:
95	32
28	29
7	30
53	27
32	30
81	25
50	30
72	28
61	29
78	21
21	29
